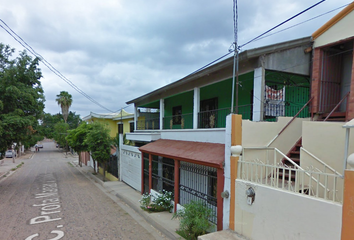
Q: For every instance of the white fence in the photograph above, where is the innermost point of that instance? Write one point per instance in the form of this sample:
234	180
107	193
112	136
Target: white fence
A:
268	169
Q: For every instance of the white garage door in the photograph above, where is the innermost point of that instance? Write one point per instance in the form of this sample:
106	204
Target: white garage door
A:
130	165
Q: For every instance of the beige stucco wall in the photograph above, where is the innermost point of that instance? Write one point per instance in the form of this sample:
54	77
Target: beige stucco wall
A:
276	214
326	141
341	30
260	134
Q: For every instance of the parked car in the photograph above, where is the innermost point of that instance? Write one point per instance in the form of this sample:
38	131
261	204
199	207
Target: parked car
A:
10	153
40	145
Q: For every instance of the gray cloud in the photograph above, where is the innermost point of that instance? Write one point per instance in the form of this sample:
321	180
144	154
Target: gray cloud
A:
115	51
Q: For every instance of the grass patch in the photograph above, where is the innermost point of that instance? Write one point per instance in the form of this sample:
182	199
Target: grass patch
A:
18	166
70	164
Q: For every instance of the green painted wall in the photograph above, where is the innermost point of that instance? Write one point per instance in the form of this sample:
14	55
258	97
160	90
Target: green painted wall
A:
297	91
186	101
223	91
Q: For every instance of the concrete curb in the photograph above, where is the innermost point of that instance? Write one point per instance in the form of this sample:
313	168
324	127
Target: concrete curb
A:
146	216
137	210
10	171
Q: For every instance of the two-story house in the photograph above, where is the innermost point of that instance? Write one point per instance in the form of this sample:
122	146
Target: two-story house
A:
118	123
180	128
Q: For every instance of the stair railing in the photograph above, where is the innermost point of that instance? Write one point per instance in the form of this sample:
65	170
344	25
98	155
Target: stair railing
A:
311	177
335	108
298	167
323	163
297	114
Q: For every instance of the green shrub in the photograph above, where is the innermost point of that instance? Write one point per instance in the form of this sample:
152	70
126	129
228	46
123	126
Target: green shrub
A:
193	220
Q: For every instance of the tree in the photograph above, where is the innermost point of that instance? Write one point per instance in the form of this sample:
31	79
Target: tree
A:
21	98
73	120
48	121
76	139
60	132
46	127
99	144
64	100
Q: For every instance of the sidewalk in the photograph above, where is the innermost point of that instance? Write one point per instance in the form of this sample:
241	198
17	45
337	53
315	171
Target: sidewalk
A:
162	221
7	166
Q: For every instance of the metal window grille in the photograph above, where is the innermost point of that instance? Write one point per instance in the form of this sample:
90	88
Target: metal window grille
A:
199	183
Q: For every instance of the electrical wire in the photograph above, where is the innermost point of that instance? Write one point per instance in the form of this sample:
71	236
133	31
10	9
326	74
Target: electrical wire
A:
293	66
268	35
296	15
55	71
260	36
48	65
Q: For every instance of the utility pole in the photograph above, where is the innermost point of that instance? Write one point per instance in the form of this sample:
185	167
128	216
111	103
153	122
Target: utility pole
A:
236	61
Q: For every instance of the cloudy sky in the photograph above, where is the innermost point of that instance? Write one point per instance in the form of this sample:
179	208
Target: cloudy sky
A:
117	50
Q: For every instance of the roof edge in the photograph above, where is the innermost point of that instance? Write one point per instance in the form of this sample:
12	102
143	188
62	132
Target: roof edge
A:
244	55
333	20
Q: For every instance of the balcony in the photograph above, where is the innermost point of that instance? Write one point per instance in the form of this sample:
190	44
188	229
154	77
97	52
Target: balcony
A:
206	119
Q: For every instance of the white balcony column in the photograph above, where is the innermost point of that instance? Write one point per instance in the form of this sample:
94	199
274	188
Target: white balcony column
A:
258	94
135	117
196	107
162	112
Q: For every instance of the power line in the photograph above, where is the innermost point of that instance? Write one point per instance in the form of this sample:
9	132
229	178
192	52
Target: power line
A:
260	36
268	35
296	65
296	15
48	65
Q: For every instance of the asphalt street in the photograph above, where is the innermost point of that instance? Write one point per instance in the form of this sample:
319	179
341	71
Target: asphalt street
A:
48	198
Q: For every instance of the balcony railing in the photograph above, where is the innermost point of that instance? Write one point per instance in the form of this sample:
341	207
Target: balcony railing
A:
213	118
148	124
245	111
182	121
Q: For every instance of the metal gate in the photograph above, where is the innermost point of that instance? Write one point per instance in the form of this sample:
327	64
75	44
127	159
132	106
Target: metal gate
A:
162	173
330	80
198	183
112	165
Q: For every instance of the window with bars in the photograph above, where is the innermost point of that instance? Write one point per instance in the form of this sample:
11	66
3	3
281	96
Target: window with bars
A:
131	126
120	128
177	112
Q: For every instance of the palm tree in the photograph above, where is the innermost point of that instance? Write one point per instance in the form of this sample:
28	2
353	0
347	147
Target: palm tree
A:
64	99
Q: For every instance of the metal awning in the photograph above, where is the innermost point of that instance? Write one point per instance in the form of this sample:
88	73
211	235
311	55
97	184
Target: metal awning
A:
207	154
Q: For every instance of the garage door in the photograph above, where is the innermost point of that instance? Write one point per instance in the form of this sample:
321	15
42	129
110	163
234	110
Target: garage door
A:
130	165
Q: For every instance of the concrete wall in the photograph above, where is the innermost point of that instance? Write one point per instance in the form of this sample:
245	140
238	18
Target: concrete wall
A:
326	141
260	134
215	135
341	30
293	60
276	214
